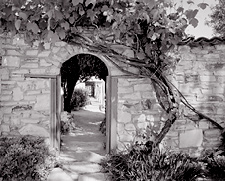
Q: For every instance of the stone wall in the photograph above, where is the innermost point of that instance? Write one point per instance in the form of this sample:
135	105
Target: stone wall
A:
199	76
139	113
25	109
24	101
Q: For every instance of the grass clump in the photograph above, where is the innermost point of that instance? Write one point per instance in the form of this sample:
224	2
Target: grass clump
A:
25	158
142	162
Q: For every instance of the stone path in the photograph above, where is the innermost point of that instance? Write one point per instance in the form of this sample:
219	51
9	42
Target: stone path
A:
82	149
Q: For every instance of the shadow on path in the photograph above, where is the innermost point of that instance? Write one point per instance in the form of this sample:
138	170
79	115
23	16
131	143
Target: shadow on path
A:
86	139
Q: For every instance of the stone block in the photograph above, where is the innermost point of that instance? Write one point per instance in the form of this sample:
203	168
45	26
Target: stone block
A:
6	92
31	52
13	52
55	61
211	56
55	49
125	89
38	71
34	130
141	118
143	87
191	78
29	120
126	138
220	47
5	98
63	53
215	98
20	71
198	50
19	41
124	117
4	74
212	133
30	97
42	84
206	78
60	43
184	49
11	61
44	63
123	82
8	82
215	66
43	102
131	96
30	65
130	127
191	138
120	128
44	53
92	177
33	92
57	174
5	127
32	60
203	124
53	70
188	56
15	121
17	94
142	125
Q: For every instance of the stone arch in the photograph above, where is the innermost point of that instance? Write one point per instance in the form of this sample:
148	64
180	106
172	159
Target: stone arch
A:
75	68
68	51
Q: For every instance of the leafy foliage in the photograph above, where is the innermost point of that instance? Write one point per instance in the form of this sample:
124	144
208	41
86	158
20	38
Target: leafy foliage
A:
151	28
215	167
217	18
25	158
142	163
79	98
67	123
102	126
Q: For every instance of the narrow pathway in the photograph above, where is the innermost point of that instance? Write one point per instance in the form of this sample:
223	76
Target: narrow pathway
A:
84	148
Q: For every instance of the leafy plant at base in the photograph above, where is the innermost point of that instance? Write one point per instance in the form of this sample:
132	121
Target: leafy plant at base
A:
141	162
215	167
67	123
25	158
79	98
102	126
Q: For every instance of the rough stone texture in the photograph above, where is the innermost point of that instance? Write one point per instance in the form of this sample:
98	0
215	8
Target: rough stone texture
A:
43	102
199	75
192	138
57	174
34	129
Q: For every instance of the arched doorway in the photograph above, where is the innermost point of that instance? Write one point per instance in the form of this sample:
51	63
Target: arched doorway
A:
82	68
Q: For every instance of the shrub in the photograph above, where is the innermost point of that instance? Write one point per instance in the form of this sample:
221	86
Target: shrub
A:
67	123
142	163
102	126
79	98
25	158
215	167
214	164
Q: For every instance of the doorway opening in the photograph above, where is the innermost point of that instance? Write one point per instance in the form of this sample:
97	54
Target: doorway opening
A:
83	80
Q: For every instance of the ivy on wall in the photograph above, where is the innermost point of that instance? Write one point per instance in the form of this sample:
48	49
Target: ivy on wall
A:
150	28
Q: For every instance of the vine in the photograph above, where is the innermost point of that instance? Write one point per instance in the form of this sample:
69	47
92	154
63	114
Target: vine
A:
151	28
